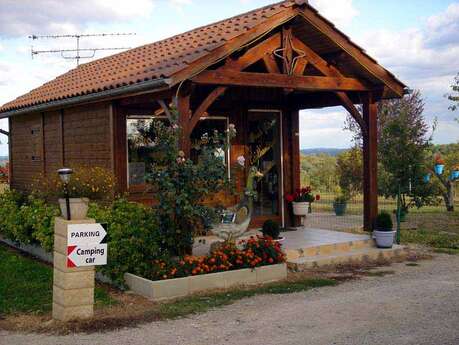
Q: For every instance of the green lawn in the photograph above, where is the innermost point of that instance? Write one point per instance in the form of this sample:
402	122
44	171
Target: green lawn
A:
26	285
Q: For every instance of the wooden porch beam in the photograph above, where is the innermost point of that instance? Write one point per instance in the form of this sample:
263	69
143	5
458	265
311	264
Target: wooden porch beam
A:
300	66
271	64
182	101
202	109
234	44
258	52
370	162
165	108
307	83
329	70
353	50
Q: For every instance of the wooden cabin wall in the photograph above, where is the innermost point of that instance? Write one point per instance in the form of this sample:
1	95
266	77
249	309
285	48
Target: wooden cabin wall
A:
26	140
41	143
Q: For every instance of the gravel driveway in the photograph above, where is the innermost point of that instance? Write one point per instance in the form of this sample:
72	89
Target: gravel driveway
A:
416	305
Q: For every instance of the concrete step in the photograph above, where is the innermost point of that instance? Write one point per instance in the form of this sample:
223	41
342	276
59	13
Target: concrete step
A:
355	256
329	249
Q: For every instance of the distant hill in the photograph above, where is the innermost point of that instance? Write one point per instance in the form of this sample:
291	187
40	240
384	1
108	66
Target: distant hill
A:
322	150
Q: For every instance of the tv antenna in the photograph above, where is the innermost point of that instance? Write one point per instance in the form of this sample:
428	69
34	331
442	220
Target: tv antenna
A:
75	54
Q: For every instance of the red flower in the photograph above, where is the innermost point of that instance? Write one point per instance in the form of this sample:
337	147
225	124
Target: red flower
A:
317	197
289	198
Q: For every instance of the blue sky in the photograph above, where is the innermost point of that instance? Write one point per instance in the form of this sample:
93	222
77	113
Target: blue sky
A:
418	40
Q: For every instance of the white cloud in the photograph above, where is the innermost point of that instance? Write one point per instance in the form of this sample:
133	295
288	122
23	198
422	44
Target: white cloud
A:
425	57
25	17
324	128
340	12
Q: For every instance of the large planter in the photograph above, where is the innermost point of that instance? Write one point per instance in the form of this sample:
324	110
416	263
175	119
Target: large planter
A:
340	208
180	287
439	168
455	174
78	208
384	239
300	208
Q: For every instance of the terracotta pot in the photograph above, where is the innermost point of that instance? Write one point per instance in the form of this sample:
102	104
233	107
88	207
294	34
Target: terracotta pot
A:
78	208
300	208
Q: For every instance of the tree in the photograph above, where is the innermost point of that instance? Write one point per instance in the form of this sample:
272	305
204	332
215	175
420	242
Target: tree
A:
445	185
349	168
454	95
402	150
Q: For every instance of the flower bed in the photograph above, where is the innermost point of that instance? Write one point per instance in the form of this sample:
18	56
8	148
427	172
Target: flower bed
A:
257	260
254	252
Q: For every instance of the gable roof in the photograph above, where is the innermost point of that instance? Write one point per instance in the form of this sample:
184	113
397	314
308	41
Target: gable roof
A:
153	63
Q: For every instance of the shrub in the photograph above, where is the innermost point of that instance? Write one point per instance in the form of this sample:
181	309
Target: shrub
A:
95	183
255	252
341	199
271	228
27	220
134	239
384	221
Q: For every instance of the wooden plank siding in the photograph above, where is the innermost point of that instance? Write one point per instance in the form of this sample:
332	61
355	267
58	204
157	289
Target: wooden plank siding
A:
87	136
26	143
41	143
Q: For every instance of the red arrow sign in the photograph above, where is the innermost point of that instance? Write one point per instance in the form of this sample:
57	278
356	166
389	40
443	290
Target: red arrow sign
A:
70	263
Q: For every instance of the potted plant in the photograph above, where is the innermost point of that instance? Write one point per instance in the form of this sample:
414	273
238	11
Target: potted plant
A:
384	234
272	229
439	165
340	204
301	201
455	172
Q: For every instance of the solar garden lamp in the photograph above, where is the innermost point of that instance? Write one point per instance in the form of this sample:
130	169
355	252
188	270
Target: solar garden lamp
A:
65	175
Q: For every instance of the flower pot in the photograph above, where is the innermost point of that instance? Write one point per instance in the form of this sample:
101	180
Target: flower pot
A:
280	239
427	178
455	174
340	209
300	208
439	168
402	216
384	239
78	208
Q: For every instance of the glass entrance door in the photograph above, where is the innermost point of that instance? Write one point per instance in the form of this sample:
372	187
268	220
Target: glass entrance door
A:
264	144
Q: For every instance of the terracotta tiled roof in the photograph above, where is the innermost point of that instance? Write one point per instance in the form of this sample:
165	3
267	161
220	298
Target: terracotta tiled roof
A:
152	61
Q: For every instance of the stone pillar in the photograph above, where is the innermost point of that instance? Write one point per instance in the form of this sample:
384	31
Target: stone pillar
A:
73	288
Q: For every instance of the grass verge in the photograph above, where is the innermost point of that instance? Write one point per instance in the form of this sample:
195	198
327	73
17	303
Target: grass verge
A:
441	242
26	285
202	303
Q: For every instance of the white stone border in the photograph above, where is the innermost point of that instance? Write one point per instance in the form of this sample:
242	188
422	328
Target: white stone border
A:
179	287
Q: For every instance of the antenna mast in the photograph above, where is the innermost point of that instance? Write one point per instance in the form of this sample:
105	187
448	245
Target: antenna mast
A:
66	53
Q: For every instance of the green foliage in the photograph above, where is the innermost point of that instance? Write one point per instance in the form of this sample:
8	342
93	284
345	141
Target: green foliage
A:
384	222
341	199
319	172
271	228
349	168
454	95
403	148
95	183
27	220
134	238
179	183
434	239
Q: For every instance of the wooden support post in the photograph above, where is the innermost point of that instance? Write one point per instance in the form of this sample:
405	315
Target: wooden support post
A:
184	110
370	162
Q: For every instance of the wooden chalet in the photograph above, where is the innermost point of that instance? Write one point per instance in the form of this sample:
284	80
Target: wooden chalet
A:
256	70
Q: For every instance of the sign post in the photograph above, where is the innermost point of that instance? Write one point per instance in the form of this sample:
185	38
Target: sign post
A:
78	247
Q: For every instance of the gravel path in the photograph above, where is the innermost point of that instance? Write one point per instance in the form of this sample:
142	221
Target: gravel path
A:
416	305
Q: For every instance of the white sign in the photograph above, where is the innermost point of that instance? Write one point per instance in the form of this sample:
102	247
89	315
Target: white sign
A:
86	255
84	247
83	234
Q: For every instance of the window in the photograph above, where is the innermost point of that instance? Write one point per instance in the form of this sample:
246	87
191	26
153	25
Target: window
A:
140	146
